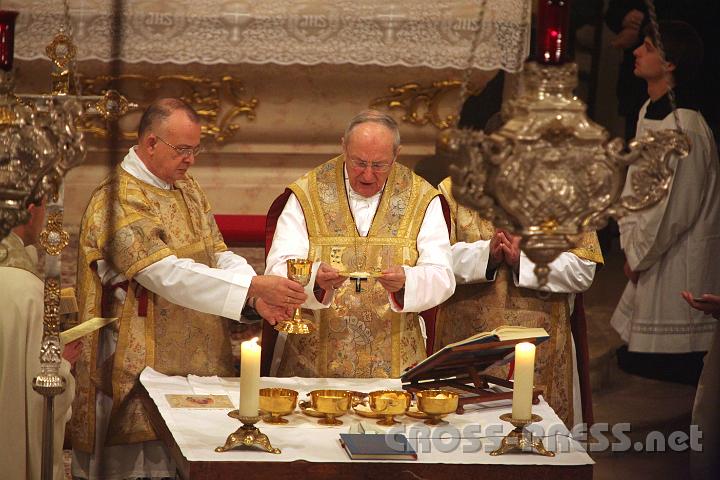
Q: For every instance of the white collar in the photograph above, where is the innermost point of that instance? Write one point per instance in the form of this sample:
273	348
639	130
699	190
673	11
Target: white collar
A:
137	168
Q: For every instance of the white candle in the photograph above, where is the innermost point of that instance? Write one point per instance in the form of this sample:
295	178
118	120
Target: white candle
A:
523	385
249	378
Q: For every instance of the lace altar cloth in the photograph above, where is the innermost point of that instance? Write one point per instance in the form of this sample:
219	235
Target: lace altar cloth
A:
412	33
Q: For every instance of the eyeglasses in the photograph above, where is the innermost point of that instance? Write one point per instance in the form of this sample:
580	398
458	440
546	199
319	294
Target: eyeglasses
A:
184	152
375	167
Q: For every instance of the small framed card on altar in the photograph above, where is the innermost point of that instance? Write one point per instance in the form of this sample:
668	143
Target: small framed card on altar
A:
198	401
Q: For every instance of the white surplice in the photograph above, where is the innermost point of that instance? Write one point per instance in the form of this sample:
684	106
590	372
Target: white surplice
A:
674	246
22	408
218	291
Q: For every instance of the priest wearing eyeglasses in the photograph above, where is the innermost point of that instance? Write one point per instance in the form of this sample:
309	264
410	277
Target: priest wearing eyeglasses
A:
151	254
362	212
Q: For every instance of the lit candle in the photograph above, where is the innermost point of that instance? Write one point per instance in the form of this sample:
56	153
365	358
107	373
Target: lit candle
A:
523	384
249	378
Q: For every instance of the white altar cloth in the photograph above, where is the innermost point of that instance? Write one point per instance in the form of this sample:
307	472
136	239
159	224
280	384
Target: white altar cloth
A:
467	438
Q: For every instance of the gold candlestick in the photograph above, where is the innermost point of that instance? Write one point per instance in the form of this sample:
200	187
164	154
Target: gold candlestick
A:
298	270
521	438
247	435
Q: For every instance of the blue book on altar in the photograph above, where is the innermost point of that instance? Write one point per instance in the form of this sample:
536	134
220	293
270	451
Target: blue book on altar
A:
391	446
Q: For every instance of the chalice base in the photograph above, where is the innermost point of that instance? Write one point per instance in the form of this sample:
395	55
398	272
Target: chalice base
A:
388	421
274	419
248	436
295	327
520	439
435	420
330	421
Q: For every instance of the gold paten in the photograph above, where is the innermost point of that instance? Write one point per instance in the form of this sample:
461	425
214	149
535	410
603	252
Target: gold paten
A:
298	270
550	173
389	403
521	439
248	436
277	402
437	403
332	404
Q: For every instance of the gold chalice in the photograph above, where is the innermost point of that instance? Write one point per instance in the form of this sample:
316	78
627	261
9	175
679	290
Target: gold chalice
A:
436	403
331	403
389	403
298	270
277	402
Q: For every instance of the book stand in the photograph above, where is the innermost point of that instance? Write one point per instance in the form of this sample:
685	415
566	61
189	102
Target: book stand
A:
460	368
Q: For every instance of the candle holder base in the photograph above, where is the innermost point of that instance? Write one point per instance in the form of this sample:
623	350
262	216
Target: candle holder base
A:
295	327
248	435
521	439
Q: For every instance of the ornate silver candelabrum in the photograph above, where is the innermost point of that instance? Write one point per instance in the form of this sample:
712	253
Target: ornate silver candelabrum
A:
550	173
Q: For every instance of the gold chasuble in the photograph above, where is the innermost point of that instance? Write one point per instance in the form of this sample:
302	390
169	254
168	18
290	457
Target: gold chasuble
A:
149	224
359	335
481	307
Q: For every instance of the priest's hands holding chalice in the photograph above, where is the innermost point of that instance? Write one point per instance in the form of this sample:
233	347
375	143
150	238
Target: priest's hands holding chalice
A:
276	296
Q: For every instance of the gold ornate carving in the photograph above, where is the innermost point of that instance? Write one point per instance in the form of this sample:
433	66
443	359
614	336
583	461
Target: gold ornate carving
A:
422	104
53	238
219	102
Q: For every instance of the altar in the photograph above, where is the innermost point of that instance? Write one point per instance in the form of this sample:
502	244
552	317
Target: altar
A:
460	447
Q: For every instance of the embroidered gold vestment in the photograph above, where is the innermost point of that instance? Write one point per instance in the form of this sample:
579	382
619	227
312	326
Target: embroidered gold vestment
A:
481	307
149	223
359	335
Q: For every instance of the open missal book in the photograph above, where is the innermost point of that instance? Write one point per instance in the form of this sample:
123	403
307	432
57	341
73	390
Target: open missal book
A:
478	351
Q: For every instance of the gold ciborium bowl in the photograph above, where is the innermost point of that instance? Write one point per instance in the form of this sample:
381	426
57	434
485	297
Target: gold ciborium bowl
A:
276	402
389	403
331	403
436	403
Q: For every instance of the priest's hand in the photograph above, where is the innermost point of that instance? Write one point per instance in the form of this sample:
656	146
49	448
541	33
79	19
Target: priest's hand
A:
72	351
393	278
328	278
511	250
497	254
278	291
707	303
630	274
271	313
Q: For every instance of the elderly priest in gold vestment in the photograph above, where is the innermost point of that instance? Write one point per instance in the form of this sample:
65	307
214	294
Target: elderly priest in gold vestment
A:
497	286
151	254
363	212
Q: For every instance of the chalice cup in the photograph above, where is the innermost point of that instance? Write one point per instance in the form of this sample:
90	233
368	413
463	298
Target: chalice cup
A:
436	404
331	403
298	270
389	403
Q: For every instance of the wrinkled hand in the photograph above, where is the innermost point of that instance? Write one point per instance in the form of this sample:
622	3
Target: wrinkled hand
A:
630	274
511	249
271	313
72	351
497	254
710	304
328	278
393	278
277	291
